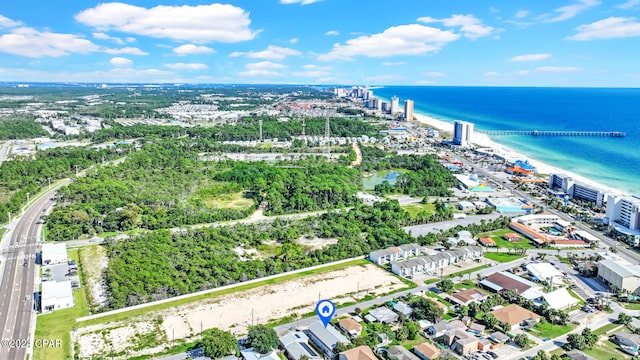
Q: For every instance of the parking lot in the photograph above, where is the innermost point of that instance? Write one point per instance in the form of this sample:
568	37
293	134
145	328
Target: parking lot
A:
61	272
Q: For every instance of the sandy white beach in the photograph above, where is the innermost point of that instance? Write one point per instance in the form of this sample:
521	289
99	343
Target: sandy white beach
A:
482	140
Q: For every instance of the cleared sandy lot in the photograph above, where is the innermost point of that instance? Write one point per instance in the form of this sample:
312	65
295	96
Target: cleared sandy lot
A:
234	312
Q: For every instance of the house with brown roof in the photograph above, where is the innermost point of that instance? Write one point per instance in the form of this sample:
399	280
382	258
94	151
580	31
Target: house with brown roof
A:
359	353
504	281
350	326
486	242
466	297
461	341
426	351
514	314
512	237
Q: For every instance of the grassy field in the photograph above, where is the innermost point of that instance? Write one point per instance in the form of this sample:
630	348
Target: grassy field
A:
630	306
410	344
415	209
128	314
551	331
502	257
235	201
497	236
605	349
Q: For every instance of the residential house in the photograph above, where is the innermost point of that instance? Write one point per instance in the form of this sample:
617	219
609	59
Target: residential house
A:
461	341
430	264
296	345
438	329
384	315
484	344
359	353
398	352
578	355
504	281
384	256
514	314
250	354
351	327
402	308
426	351
466	297
499	337
628	342
325	339
476	329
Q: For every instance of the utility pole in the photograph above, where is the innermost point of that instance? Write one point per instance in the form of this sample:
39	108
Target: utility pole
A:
9	220
28	198
76	170
327	134
260	123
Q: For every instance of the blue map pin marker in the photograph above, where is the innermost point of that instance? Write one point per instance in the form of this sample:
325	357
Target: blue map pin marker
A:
325	310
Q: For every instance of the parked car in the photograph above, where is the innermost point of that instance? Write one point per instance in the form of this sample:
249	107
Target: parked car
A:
493	355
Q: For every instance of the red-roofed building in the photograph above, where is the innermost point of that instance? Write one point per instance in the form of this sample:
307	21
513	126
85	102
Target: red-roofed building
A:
486	241
512	237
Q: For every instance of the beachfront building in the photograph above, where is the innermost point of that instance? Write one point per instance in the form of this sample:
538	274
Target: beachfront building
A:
394	107
621	274
472	183
575	189
408	110
623	214
462	133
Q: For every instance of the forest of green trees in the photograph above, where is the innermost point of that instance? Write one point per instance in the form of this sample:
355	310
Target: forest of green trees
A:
13	127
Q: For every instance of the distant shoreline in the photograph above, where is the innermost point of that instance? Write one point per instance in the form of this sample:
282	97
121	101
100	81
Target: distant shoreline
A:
482	140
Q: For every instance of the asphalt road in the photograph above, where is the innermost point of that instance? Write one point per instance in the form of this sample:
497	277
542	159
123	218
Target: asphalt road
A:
18	271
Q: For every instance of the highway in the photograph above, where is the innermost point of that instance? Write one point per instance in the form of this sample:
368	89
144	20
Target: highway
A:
19	270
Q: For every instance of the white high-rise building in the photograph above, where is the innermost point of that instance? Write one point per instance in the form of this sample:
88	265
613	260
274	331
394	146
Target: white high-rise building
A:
624	210
395	105
462	133
408	110
576	189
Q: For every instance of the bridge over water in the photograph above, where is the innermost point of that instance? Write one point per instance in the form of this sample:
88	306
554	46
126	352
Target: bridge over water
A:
553	133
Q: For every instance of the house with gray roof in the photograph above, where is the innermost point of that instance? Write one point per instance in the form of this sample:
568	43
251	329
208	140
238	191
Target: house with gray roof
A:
430	264
398	352
325	339
402	308
384	315
296	345
621	274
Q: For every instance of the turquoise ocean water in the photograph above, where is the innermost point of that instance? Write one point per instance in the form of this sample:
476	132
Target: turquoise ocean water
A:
614	162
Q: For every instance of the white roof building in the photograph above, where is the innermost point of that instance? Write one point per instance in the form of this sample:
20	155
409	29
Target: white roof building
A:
560	299
56	295
620	274
54	253
544	272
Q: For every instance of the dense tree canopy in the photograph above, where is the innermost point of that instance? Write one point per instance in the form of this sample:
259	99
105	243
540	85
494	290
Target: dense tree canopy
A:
262	338
217	343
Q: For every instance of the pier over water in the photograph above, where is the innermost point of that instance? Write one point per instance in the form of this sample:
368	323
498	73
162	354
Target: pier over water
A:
553	133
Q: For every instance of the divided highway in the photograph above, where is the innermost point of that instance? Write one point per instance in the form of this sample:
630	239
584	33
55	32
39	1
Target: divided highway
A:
18	271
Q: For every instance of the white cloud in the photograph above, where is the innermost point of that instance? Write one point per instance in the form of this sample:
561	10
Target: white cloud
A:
530	57
491	74
393	63
317	67
434	74
413	39
201	23
293	40
609	28
302	2
263	65
272	52
113	75
550	69
522	14
259	73
103	36
130	39
332	33
5	22
494	10
470	25
186	66
629	4
29	42
424	82
191	49
126	50
120	61
570	11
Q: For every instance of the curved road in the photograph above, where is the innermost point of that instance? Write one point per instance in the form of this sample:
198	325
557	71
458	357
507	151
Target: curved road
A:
18	269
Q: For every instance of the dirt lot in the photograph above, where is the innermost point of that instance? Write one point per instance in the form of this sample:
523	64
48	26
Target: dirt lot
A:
234	312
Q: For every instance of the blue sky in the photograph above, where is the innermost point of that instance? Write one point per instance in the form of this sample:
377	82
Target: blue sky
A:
403	42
